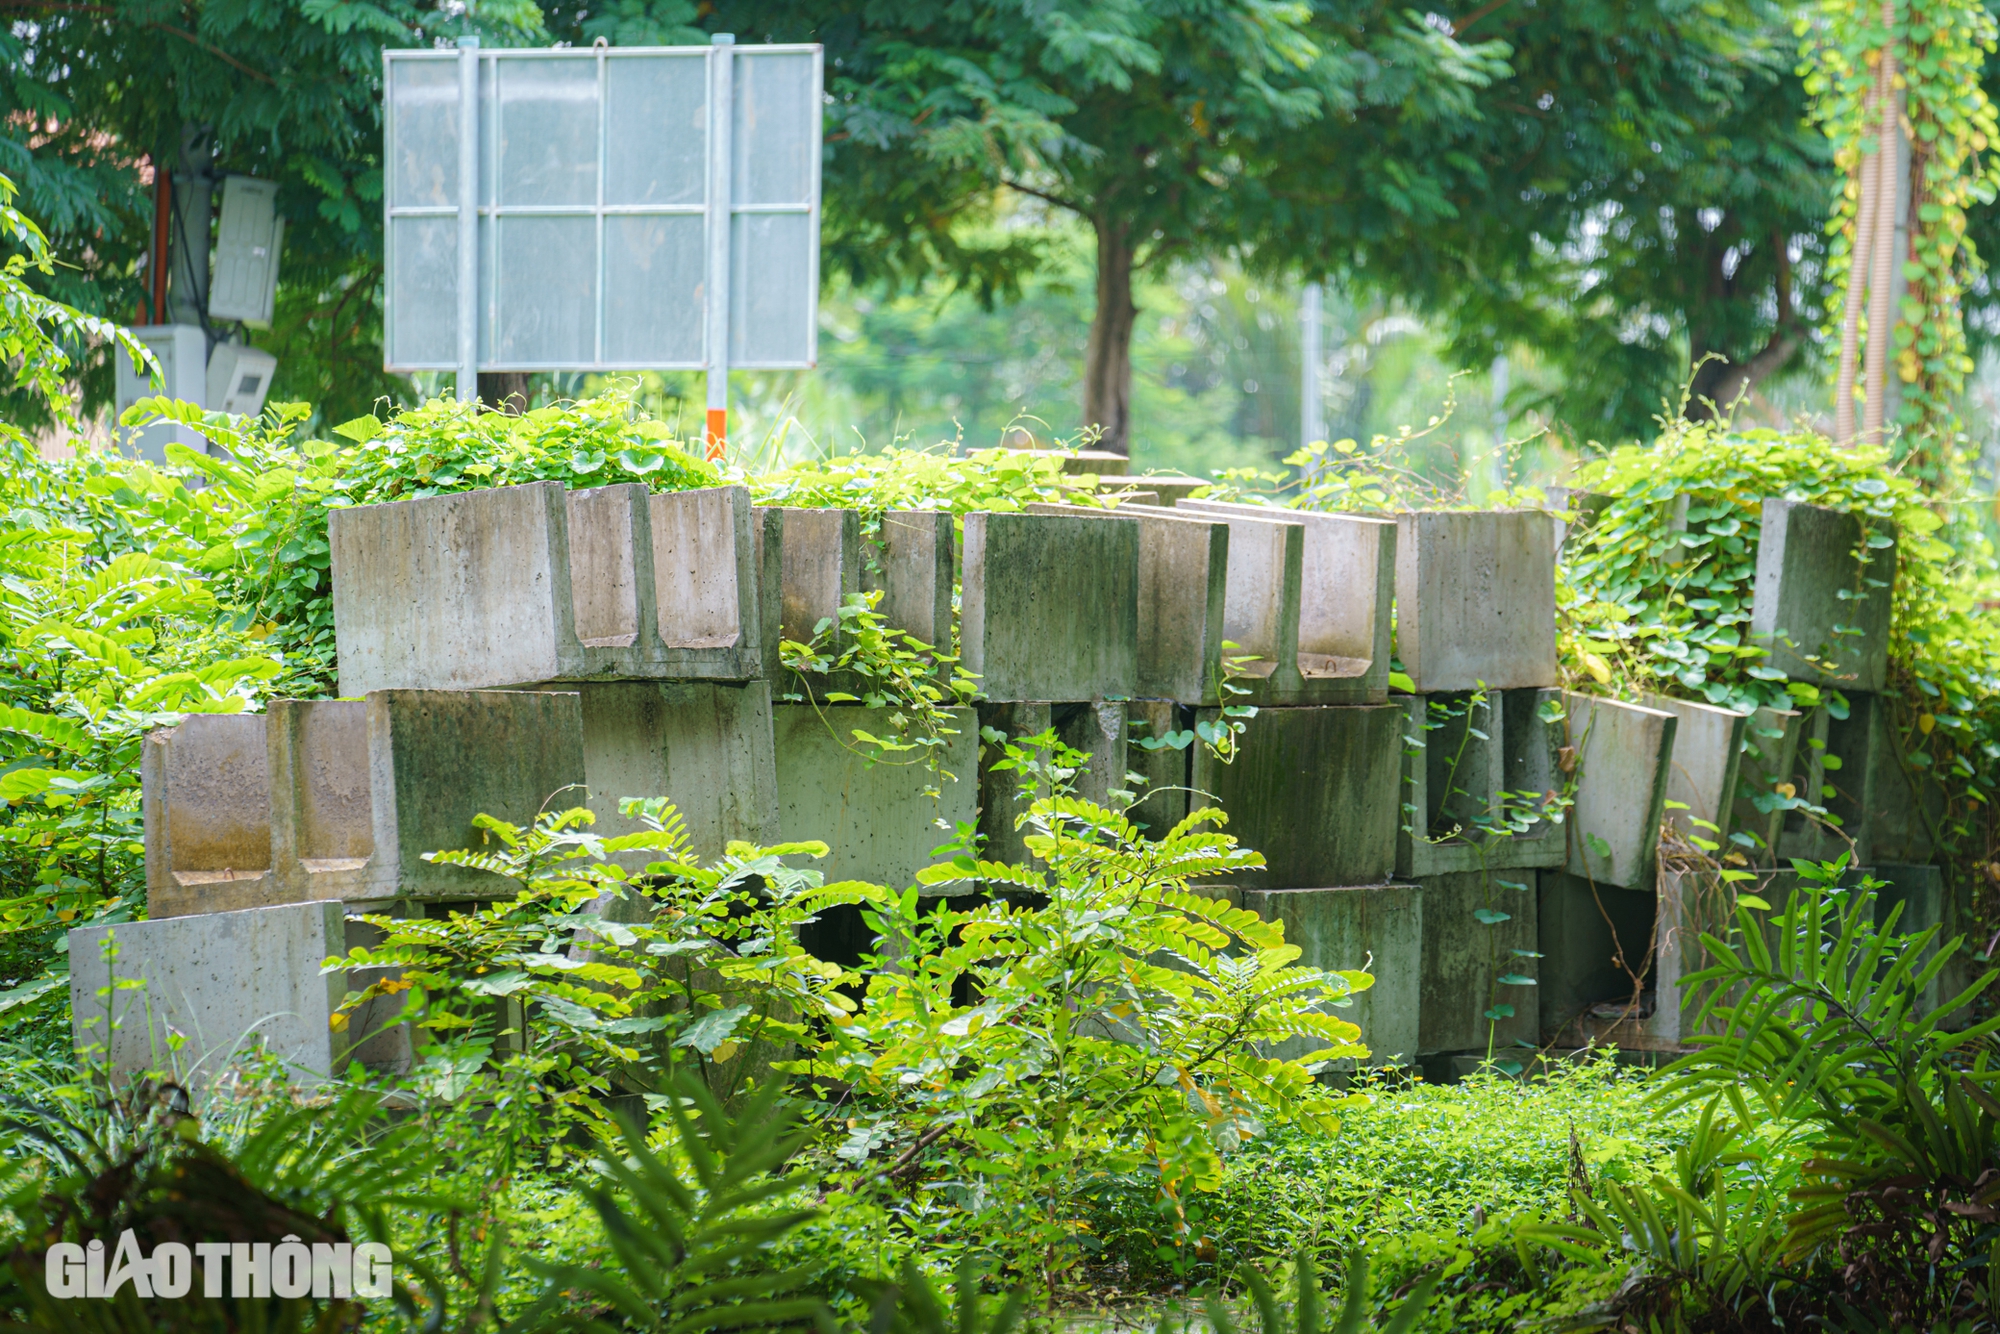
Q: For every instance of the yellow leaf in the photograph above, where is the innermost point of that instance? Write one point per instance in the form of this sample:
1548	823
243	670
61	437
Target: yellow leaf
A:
337	1022
1786	790
1597	667
1925	722
65	914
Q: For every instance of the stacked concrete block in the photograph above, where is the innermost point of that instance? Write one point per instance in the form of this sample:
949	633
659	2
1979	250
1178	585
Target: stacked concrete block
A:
1167	490
1597	942
1706	767
340	799
1475	600
1050	607
206	803
1077	462
1322	636
1623	763
216	987
1315	791
1837	764
1770	756
322	809
1480	927
1823	593
1378	929
1098	730
1183	573
706	746
911	564
525	584
1471	761
1159	774
874	814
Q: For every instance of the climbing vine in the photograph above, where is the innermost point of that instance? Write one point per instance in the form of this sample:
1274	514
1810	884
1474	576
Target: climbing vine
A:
1918	62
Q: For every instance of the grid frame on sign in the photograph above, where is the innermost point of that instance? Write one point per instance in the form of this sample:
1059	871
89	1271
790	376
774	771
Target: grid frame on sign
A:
596	214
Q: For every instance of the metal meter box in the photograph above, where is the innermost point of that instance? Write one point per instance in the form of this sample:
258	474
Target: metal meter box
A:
182	351
244	285
602	209
238	378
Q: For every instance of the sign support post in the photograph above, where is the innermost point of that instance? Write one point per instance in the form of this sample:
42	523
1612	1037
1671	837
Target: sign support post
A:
468	219
721	114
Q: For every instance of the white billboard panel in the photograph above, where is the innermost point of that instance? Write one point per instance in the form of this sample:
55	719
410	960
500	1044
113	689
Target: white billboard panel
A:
610	205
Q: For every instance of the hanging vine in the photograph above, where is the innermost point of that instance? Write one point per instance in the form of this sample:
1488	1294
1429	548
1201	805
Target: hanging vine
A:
1879	70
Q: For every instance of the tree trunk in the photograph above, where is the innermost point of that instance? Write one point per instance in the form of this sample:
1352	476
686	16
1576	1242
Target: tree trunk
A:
1719	384
1107	365
505	391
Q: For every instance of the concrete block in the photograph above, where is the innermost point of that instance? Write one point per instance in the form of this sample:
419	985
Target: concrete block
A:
1476	763
1261	599
437	758
1770	756
454	592
1476	599
821	569
1313	789
1097	729
707	746
1594	939
1906	804
322	811
877	817
1183	573
1822	596
1167	491
1163	773
1378	929
1623	763
1839	763
1465	957
706	584
1708	755
911	563
205	793
1078	462
523	584
225	981
1347	583
1924	894
1050	606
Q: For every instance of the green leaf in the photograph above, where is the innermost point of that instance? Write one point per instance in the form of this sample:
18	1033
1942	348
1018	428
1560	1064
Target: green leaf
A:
712	1030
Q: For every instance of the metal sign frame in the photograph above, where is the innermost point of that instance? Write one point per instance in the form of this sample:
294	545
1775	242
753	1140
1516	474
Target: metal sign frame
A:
477	273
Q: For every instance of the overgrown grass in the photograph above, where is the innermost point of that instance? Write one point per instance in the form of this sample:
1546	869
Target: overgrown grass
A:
1434	1158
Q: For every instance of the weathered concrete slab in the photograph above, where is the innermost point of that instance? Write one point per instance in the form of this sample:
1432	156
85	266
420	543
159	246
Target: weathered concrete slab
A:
1164	773
706	584
1594	939
454	592
876	817
205	791
821	570
1378	929
438	758
1183	573
707	746
1167	489
1822	599
1313	789
1906	804
1479	765
1475	599
1262	594
1096	729
911	563
1077	462
1347	583
1464	959
1836	769
1624	761
1050	606
1770	757
322	812
1708	757
522	584
225	981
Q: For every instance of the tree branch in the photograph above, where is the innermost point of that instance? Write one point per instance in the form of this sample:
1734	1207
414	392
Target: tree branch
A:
108	11
1462	24
1042	195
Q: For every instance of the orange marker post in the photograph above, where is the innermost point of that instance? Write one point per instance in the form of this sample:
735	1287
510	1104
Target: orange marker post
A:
718	432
